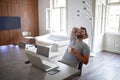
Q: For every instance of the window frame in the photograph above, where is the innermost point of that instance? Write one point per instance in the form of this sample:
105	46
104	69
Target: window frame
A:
58	6
48	17
108	4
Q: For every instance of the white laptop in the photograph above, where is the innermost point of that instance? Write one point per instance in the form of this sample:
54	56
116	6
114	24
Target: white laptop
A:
38	62
46	51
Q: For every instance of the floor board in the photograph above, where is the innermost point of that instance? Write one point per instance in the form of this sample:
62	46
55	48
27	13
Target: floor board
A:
104	66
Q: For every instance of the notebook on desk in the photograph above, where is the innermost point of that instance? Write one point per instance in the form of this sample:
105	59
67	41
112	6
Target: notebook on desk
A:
38	62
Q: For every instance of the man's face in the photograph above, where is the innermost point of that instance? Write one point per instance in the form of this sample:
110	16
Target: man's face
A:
80	33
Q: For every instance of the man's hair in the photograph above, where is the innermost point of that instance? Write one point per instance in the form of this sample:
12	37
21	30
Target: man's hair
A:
86	35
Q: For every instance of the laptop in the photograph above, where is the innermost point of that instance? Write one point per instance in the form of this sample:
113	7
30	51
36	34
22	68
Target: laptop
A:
38	62
46	51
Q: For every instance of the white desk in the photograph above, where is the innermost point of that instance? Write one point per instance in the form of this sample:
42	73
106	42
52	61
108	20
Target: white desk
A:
65	72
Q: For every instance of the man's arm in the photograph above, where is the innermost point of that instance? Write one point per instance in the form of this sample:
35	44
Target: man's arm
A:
83	58
73	32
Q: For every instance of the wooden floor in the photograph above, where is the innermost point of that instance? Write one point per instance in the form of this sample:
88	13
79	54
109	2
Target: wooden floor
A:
104	66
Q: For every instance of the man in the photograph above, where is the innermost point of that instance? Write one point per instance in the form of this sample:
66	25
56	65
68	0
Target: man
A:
80	51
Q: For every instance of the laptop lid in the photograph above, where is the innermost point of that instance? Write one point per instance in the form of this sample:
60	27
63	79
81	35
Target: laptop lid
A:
44	51
37	62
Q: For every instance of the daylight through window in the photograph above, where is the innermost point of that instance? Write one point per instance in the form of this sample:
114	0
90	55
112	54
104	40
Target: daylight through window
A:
56	16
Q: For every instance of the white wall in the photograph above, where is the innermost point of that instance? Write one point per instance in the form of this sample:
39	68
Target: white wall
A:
83	20
99	27
42	5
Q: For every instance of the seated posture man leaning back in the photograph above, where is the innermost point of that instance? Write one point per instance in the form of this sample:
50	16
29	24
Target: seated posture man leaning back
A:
79	51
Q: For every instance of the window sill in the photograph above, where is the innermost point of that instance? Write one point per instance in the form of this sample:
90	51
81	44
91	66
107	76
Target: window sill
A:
112	33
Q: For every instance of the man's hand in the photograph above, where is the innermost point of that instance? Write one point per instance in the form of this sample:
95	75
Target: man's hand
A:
74	51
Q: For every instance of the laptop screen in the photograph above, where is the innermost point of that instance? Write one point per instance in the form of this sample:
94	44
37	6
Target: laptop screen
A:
42	50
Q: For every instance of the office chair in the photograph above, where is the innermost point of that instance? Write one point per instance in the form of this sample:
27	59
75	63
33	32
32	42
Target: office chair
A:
28	39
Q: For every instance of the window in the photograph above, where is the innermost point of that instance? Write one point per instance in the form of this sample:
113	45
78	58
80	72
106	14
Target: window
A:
113	1
113	16
56	16
59	3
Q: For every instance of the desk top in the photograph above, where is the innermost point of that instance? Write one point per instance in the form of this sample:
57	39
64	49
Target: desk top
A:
13	67
65	71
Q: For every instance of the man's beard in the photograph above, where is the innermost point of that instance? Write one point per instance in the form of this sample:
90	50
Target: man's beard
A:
79	36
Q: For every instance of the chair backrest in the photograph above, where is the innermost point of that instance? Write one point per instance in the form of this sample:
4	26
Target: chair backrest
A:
26	34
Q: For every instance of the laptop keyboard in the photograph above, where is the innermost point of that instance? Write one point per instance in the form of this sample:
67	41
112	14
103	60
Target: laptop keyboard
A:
46	66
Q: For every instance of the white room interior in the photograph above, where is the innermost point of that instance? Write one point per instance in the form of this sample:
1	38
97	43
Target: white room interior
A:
55	21
93	18
76	16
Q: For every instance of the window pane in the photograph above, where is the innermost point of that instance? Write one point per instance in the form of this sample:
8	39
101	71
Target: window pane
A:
113	1
63	19
48	12
113	19
59	3
55	20
56	17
